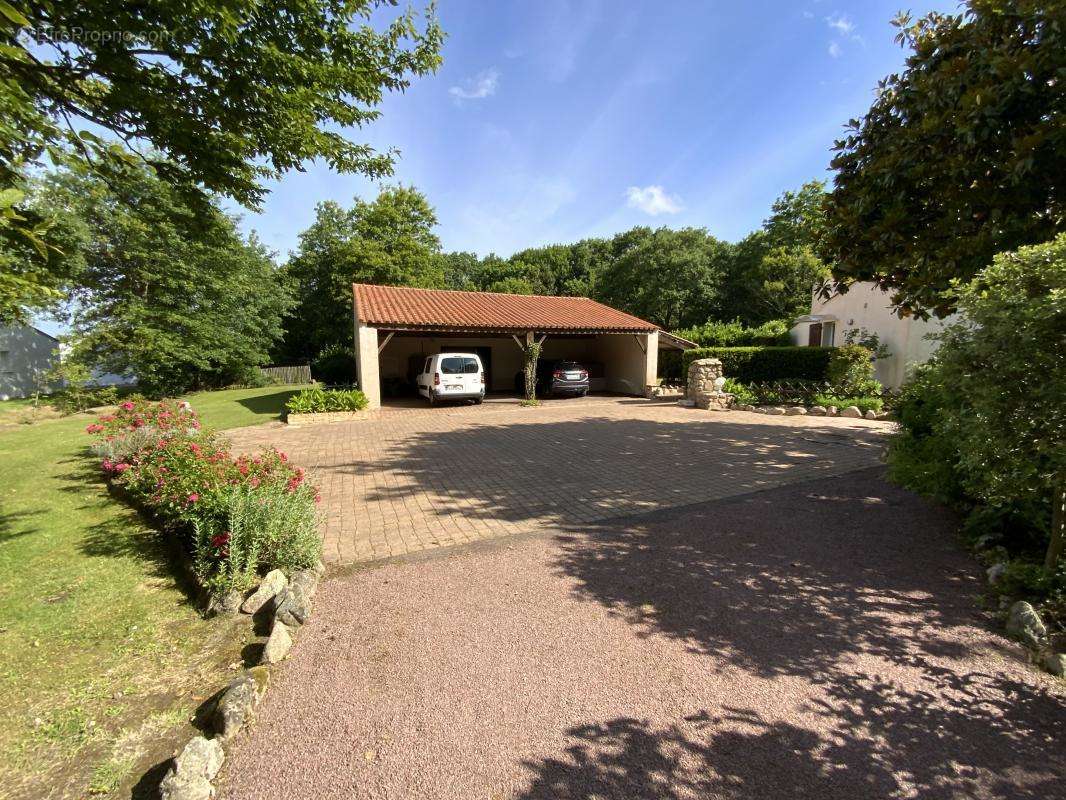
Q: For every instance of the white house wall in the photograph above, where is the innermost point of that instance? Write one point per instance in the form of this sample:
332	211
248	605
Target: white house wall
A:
867	306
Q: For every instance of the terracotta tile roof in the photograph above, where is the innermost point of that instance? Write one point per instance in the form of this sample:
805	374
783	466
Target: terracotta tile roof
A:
439	309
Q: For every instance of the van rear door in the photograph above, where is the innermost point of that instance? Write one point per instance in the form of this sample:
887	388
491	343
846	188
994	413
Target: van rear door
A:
460	374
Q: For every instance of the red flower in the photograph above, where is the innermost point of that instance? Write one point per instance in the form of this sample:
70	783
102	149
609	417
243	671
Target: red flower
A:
220	540
128	406
94	428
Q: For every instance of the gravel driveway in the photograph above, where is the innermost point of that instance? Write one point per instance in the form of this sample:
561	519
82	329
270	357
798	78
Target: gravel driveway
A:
818	640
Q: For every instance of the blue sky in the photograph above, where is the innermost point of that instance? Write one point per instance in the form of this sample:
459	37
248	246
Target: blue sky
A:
552	121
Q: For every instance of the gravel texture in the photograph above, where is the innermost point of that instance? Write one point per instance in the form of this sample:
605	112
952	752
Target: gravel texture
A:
819	640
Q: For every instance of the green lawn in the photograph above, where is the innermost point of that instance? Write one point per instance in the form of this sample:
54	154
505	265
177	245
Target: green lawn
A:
103	655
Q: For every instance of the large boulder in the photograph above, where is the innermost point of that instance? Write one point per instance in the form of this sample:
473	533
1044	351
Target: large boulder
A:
852	412
273	582
796	411
1025	625
278	645
194	768
817	411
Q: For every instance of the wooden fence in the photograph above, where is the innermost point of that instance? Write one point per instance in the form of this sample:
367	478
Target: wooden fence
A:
300	373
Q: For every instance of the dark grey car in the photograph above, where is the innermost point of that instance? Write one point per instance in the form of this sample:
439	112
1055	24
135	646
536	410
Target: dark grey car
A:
555	378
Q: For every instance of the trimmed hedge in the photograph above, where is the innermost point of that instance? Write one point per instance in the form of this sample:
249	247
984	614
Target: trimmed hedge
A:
753	364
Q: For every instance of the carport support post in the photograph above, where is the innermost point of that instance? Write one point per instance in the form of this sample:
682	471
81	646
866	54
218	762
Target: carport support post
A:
366	363
651	362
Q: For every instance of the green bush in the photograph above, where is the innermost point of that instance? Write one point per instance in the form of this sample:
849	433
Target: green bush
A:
335	366
752	364
315	400
261	525
983	425
851	371
864	404
734	334
79	398
741	393
238	516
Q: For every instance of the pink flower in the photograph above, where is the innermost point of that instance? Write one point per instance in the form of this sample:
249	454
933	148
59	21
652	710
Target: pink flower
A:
193	497
94	428
107	465
121	467
128	406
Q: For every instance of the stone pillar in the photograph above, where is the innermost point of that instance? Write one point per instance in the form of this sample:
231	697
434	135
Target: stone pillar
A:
704	385
366	360
651	362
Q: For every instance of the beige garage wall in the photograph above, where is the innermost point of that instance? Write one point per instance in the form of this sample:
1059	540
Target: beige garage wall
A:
627	367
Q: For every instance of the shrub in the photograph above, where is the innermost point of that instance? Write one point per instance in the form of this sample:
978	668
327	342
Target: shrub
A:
741	393
316	399
982	425
751	364
734	334
79	398
864	404
270	524
240	515
851	371
335	366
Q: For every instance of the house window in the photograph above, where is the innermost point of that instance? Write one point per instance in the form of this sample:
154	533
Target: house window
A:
829	330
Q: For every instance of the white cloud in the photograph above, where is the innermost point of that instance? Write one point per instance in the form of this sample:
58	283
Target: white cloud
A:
841	24
477	88
652	200
835	50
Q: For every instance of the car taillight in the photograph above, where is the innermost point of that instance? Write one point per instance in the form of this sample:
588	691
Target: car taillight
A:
436	379
582	375
482	377
557	374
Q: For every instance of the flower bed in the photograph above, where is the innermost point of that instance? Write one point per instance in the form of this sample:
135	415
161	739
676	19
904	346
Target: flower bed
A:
236	516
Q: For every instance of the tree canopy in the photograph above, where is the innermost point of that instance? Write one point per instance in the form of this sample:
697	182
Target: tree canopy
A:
228	93
961	156
217	97
389	241
167	290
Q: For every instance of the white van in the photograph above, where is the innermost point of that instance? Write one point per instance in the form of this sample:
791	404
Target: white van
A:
452	376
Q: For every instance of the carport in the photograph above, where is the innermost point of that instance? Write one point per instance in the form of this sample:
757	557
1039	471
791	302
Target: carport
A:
395	327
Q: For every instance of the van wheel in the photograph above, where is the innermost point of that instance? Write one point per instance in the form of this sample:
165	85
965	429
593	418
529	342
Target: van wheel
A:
431	398
478	401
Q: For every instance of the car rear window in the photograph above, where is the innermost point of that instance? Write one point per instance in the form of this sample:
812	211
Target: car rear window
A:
569	365
458	365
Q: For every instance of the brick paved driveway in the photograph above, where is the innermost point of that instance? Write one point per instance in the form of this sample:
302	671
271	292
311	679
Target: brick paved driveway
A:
410	478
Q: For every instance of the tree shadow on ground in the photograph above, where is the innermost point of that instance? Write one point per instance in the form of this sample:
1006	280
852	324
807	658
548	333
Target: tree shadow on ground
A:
272	404
128	533
786	581
571	470
856	589
994	738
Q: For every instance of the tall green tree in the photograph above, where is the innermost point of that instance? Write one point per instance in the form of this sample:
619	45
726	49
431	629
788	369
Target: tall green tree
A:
961	156
389	241
167	290
672	278
226	94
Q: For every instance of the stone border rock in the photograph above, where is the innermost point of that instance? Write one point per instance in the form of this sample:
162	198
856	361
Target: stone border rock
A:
1024	625
850	412
288	601
321	417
